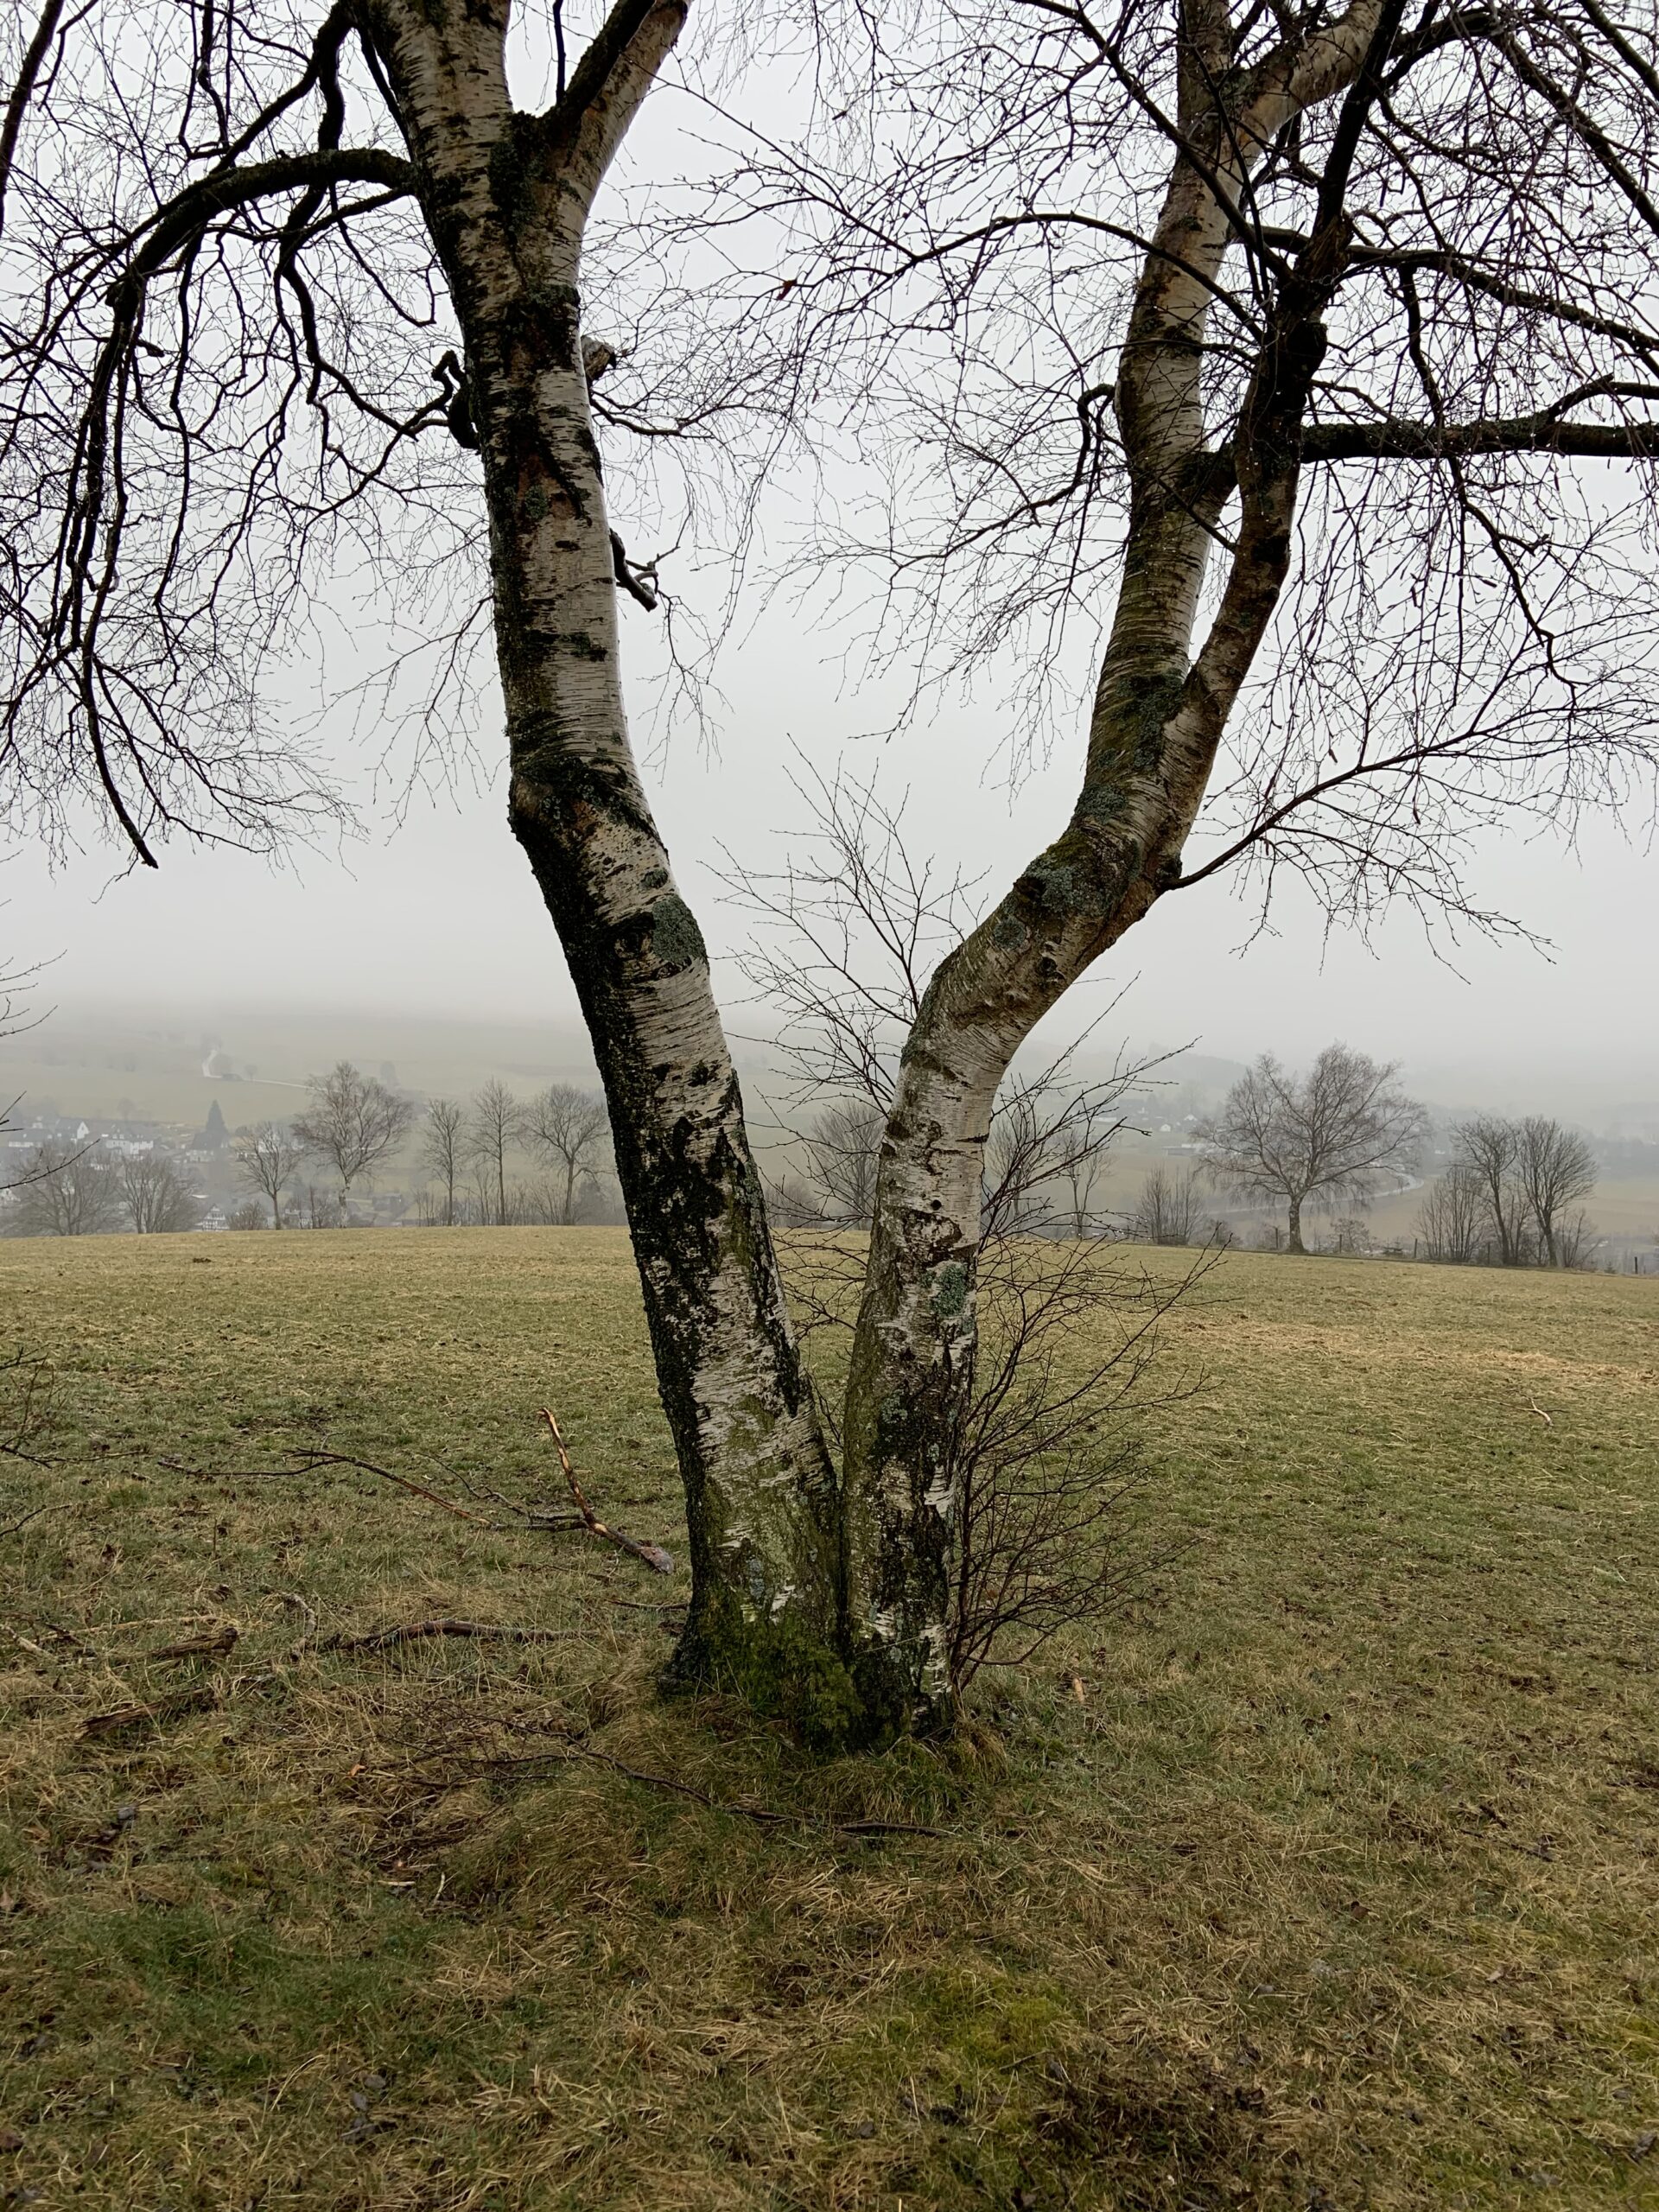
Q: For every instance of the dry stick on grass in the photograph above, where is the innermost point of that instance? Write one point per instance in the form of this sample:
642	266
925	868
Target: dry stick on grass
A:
380	1639
214	1646
152	1716
766	1815
202	1697
12	1526
312	1462
653	1556
299	1604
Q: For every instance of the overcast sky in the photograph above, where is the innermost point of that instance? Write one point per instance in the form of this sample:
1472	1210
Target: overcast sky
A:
438	914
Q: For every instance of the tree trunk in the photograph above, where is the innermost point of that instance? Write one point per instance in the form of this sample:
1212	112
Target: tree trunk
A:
1295	1244
830	1607
506	196
1158	716
569	1191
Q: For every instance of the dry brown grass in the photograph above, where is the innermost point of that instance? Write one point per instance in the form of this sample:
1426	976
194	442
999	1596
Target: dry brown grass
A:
1338	1888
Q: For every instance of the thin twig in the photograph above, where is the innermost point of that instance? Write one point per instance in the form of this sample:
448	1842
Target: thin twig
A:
313	1461
412	1631
12	1526
767	1816
653	1556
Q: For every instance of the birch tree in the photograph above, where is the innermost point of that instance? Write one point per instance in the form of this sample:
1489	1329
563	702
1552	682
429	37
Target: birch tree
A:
1304	350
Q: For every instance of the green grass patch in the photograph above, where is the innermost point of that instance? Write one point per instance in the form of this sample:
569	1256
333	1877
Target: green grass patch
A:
1337	1887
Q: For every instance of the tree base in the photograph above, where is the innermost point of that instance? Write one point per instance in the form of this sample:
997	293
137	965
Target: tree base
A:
783	1670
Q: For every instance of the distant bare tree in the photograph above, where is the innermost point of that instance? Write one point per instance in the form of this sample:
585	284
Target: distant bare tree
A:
249	1215
353	1123
491	1131
1576	1241
320	1209
1489	1147
792	1205
1556	1169
571	1128
268	1157
840	946
157	1195
443	1151
1048	1133
65	1191
1082	1174
1452	1219
1166	1212
842	1148
1335	1133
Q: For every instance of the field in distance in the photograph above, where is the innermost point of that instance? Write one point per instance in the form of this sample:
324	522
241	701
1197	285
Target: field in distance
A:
1326	1875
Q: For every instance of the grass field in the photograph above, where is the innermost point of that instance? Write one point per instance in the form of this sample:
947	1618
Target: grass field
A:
1334	1882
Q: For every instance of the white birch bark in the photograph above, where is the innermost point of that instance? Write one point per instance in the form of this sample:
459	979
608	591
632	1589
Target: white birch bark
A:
507	196
1158	715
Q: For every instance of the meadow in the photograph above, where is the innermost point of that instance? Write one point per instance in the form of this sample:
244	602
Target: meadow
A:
1325	1875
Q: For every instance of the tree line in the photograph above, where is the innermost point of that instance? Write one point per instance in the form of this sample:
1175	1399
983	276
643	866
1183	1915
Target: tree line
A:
1342	1134
68	1190
1513	1195
307	1172
354	1123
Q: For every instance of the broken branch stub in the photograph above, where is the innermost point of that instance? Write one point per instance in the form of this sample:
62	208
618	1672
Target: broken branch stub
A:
652	1555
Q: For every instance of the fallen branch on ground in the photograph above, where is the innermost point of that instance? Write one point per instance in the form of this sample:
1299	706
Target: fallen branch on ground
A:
124	1717
214	1646
381	1638
582	1516
653	1556
312	1463
12	1526
766	1815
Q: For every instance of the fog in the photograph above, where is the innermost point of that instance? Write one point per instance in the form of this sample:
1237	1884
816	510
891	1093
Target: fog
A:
436	915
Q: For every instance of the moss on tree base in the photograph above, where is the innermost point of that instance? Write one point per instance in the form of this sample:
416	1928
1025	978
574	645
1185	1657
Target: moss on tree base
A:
784	1670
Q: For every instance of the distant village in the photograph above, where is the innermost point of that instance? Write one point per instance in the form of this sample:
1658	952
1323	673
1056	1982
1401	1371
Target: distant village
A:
346	1161
205	1158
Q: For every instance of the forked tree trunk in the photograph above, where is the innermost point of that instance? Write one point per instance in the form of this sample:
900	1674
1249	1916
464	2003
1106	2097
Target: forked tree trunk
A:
507	197
832	1607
